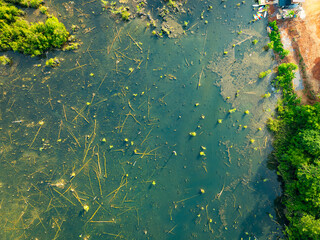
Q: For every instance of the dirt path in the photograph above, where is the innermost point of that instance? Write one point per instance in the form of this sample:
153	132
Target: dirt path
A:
303	33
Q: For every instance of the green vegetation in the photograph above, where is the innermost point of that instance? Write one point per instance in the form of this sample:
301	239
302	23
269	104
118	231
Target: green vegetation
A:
267	95
4	60
192	134
290	13
275	38
297	150
122	10
270	45
264	74
53	62
232	110
29	38
26	3
171	3
71	46
43	9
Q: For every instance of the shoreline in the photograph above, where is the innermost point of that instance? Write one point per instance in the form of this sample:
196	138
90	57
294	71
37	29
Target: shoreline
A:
301	35
296	126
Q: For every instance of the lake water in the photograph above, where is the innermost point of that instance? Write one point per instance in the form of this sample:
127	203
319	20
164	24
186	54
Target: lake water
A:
108	131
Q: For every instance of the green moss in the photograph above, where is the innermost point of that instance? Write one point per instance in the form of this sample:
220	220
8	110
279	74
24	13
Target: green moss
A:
28	38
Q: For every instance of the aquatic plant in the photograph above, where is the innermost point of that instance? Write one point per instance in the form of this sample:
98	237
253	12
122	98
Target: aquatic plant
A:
165	30
171	3
122	10
125	15
192	134
232	110
86	207
53	62
71	46
4	60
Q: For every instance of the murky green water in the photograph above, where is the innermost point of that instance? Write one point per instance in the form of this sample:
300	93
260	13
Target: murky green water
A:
95	133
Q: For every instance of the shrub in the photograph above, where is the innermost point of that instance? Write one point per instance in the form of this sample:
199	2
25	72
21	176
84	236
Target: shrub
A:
275	38
26	3
4	60
53	62
297	150
263	74
29	38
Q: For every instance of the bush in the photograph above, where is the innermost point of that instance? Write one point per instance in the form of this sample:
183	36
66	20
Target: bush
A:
264	74
297	150
275	38
29	38
4	60
310	140
26	3
53	62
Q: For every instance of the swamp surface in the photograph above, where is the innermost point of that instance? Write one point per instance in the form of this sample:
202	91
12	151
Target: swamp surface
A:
99	147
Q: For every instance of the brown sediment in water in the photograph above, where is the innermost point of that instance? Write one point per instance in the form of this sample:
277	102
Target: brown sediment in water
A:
304	36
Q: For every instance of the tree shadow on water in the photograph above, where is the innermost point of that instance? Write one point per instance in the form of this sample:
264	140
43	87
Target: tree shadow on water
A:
266	220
